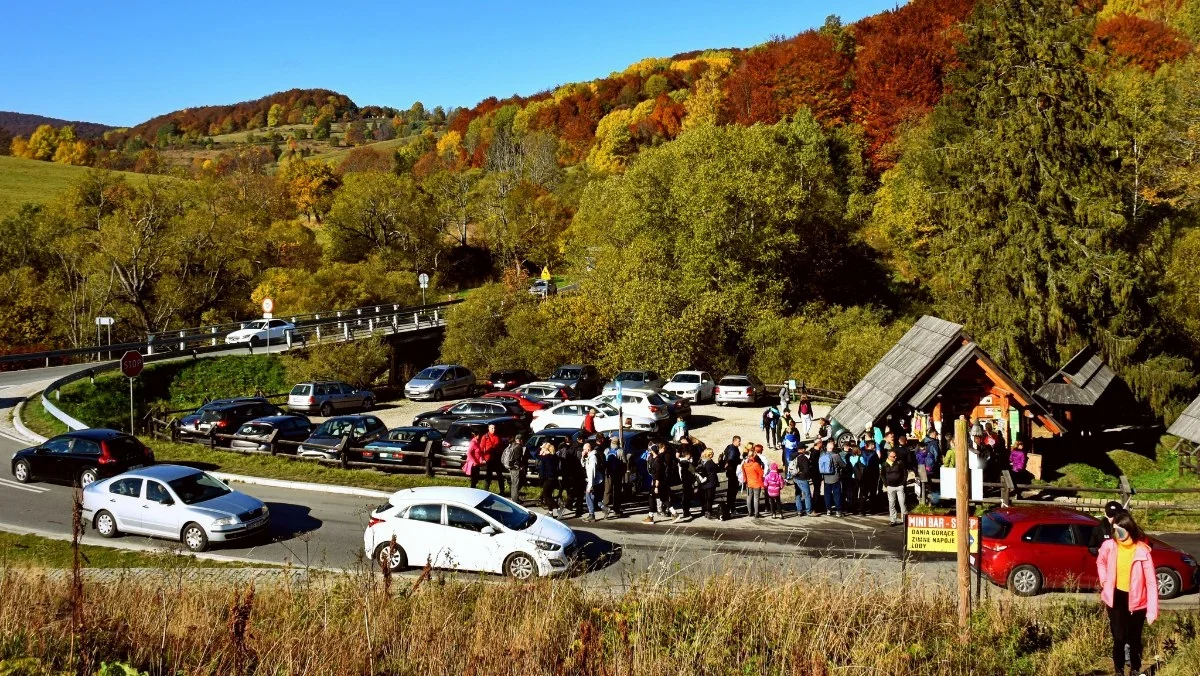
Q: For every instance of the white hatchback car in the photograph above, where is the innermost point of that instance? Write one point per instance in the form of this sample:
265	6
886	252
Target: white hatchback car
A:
570	415
260	332
467	529
639	403
694	385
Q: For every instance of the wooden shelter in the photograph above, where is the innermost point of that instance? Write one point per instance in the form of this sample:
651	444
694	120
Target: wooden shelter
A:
1187	428
1087	394
936	366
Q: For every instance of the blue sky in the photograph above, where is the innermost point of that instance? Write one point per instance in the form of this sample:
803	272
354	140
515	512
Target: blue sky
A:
121	63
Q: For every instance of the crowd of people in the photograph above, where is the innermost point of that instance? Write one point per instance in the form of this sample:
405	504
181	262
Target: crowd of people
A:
597	475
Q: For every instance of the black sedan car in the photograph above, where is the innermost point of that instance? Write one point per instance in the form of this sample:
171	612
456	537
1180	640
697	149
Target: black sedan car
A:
458	438
81	456
360	429
442	418
285	427
403	446
229	418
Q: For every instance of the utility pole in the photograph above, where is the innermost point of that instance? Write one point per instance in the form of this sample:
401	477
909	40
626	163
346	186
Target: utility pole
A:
962	531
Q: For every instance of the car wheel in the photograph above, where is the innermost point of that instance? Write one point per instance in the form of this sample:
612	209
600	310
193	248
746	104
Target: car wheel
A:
520	566
22	472
88	477
256	341
394	559
1025	580
194	537
1169	583
438	395
326	409
106	525
845	438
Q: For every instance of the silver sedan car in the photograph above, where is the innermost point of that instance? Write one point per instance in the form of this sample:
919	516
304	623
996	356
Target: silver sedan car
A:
173	502
739	389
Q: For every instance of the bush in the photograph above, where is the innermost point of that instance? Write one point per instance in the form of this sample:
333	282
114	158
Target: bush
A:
358	363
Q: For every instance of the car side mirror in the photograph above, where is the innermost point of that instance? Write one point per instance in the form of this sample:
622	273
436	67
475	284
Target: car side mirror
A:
39	450
488	530
166	502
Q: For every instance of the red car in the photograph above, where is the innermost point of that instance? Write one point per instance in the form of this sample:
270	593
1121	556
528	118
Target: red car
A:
1028	549
528	403
508	379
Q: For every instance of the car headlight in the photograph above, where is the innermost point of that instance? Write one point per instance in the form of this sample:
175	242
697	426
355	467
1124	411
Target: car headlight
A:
266	510
547	546
227	521
1188	560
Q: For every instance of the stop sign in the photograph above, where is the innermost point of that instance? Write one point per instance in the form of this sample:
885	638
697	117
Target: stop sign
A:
131	364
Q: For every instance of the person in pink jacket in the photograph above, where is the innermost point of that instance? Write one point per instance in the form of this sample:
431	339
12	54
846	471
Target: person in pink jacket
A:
773	483
1128	588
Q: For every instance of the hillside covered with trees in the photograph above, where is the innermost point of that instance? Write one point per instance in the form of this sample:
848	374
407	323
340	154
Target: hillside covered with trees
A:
1025	168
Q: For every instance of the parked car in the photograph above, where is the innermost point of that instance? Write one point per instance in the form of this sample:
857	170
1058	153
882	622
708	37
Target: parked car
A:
548	392
173	502
360	429
82	456
458	437
403	446
739	389
543	288
227	418
583	379
1029	549
261	332
188	424
555	435
467	529
680	407
441	419
635	380
695	385
329	397
643	403
439	382
285	427
528	403
508	379
570	414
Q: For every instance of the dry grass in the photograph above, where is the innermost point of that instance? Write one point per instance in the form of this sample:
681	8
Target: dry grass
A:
357	623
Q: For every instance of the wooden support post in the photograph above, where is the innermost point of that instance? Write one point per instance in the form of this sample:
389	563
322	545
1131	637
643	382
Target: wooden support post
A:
429	458
271	442
1125	488
341	451
1007	488
960	510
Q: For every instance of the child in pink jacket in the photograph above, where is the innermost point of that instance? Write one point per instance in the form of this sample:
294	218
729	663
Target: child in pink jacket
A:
1128	588
773	483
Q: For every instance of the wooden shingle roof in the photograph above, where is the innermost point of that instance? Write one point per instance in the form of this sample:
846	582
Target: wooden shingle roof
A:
1187	425
909	360
1081	382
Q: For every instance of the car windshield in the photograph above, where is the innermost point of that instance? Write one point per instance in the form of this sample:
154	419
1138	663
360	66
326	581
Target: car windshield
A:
301	389
512	515
260	324
735	382
429	374
686	378
607	409
630	376
335	428
655	399
503	375
995	527
255	429
566	374
198	487
403	435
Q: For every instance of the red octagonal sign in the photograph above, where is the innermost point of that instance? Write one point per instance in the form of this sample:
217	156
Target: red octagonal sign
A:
131	364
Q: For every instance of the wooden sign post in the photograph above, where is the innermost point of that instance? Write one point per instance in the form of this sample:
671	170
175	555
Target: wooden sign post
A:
960	511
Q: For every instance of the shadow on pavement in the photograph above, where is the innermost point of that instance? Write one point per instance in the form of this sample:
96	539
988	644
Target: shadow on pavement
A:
595	553
289	521
699	421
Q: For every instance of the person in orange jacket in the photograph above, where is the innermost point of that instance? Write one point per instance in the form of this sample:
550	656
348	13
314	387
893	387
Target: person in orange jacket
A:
752	470
1128	588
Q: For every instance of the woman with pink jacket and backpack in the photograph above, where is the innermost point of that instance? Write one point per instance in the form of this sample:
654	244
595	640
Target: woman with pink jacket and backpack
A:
1128	588
773	482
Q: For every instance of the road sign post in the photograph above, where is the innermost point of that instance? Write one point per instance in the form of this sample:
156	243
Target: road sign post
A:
423	282
268	306
131	367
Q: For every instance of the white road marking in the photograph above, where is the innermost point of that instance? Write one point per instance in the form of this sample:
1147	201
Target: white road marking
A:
19	486
10	437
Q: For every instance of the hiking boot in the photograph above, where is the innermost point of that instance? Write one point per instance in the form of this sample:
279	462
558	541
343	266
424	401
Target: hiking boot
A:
648	519
840	515
589	518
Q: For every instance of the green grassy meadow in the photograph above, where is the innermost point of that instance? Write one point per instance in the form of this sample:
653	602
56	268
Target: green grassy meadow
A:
23	180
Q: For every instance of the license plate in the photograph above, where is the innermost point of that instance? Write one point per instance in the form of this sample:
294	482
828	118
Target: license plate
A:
137	466
255	523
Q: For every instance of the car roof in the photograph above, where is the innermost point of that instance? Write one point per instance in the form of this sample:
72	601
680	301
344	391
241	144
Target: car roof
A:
480	420
459	494
558	432
271	419
545	383
349	417
95	434
1038	513
414	428
690	371
162	472
643	371
571	366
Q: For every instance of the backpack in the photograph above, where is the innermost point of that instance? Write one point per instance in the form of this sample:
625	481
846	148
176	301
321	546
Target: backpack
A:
825	464
511	456
793	468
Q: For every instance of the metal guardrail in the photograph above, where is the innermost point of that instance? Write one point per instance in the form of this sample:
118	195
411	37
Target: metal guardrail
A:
348	321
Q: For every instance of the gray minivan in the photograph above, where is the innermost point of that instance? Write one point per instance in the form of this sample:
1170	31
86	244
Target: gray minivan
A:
439	382
328	397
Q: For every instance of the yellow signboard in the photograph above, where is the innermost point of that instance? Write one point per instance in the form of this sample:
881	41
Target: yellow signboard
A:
546	273
937	533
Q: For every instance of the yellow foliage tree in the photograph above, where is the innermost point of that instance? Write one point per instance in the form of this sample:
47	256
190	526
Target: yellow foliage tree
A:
19	148
75	152
704	106
448	145
43	142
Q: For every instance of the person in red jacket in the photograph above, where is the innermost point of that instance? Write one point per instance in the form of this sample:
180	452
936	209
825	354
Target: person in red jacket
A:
1128	588
489	455
589	424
